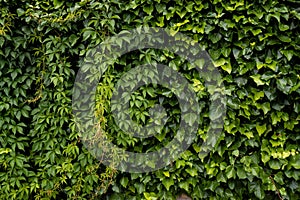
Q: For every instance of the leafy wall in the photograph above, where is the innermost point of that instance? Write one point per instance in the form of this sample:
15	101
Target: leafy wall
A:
256	47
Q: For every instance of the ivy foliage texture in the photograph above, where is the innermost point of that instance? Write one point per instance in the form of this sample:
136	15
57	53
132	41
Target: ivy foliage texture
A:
254	44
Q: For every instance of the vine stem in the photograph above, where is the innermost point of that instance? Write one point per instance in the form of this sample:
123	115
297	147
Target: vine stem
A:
278	193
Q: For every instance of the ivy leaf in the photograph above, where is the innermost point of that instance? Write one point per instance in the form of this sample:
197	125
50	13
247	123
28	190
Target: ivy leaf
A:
140	187
241	173
166	173
160	22
88	32
148	9
265	107
221	177
14	75
295	161
261	129
124	181
20	12
236	53
168	183
230	172
257	79
265	157
4	150
149	196
192	171
259	192
227	67
272	65
259	64
57	3
288	54
249	135
284	38
184	185
274	164
2	40
283	27
256	31
219	62
182	23
73	39
258	95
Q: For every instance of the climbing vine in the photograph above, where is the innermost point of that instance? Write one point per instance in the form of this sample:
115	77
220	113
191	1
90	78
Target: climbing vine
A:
254	45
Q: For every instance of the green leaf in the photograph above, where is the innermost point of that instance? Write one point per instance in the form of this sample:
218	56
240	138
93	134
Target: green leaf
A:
57	3
238	18
282	85
258	95
166	173
259	192
139	187
257	79
192	171
190	118
236	153
20	12
236	53
272	65
184	185
227	67
182	23
219	62
230	172
124	181
4	150
73	39
265	157
241	173
2	40
216	37
88	32
150	196
275	118
295	161
181	13
288	54
261	129
278	178
274	164
284	38
221	177
168	183
148	9
256	31
265	107
249	135
160	22
14	74
259	64
283	27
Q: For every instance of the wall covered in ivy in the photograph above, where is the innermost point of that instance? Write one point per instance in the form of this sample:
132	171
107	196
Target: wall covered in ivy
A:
255	45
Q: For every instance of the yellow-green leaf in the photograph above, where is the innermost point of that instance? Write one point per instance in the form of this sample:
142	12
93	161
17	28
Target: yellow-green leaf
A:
261	129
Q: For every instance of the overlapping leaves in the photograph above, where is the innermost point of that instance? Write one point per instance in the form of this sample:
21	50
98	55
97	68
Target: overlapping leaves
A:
254	44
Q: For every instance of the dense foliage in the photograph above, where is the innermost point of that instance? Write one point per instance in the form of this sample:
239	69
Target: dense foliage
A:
254	44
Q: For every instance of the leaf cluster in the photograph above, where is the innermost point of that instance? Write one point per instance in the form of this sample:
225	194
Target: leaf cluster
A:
254	44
